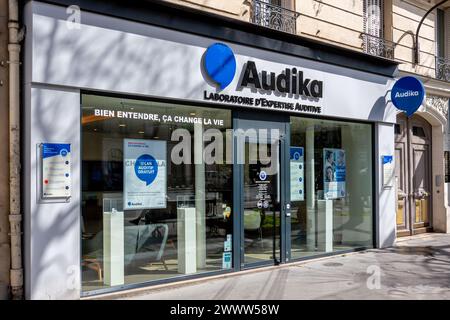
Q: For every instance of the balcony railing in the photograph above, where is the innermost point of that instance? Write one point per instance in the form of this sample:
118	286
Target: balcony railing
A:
443	69
377	46
274	17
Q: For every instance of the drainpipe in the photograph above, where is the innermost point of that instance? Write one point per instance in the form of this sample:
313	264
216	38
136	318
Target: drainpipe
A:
15	216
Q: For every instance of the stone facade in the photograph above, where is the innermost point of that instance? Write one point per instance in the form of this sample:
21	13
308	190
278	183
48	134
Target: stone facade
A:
439	104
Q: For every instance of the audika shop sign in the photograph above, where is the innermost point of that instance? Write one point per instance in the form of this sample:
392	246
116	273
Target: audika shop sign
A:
408	94
220	66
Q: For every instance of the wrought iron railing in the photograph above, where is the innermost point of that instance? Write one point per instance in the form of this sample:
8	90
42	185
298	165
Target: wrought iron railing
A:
377	46
274	17
443	69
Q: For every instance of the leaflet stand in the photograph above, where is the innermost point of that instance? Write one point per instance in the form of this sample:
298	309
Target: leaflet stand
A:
325	225
187	240
113	242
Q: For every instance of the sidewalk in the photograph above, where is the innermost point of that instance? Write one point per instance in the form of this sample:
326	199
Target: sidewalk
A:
416	268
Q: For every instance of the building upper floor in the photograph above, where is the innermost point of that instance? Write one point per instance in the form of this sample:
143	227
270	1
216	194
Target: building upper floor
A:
385	28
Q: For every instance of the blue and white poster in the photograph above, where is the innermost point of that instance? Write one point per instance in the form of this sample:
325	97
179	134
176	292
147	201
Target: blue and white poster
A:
297	174
56	170
226	260
388	170
334	173
145	183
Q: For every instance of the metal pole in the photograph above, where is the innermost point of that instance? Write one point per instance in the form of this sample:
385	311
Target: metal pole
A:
416	48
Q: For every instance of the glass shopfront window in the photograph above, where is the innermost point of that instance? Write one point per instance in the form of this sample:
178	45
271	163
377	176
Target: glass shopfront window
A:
331	186
156	191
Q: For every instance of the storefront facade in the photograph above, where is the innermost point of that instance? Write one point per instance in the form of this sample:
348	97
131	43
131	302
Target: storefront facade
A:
155	155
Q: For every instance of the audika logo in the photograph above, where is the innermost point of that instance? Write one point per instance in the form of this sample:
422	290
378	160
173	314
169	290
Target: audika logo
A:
408	94
220	64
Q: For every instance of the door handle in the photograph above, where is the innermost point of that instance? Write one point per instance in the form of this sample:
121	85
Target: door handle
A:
288	209
420	195
401	195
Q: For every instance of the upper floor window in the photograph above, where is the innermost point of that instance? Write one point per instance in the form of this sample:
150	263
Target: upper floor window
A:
443	44
373	35
440	33
275	14
373	18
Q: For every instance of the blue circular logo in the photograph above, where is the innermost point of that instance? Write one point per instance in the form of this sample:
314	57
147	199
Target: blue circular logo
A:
263	175
63	152
296	155
220	64
408	94
146	168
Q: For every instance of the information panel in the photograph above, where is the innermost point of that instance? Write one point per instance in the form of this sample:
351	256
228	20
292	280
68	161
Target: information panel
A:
145	182
334	173
297	174
388	171
56	170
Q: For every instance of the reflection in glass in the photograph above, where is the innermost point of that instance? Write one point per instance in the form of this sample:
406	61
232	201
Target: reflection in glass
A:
336	210
192	234
261	202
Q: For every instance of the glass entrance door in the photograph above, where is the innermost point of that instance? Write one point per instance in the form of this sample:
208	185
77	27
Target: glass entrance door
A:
260	149
261	202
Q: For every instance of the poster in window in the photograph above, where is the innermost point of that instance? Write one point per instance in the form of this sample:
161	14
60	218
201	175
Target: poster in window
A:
145	182
297	173
334	173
